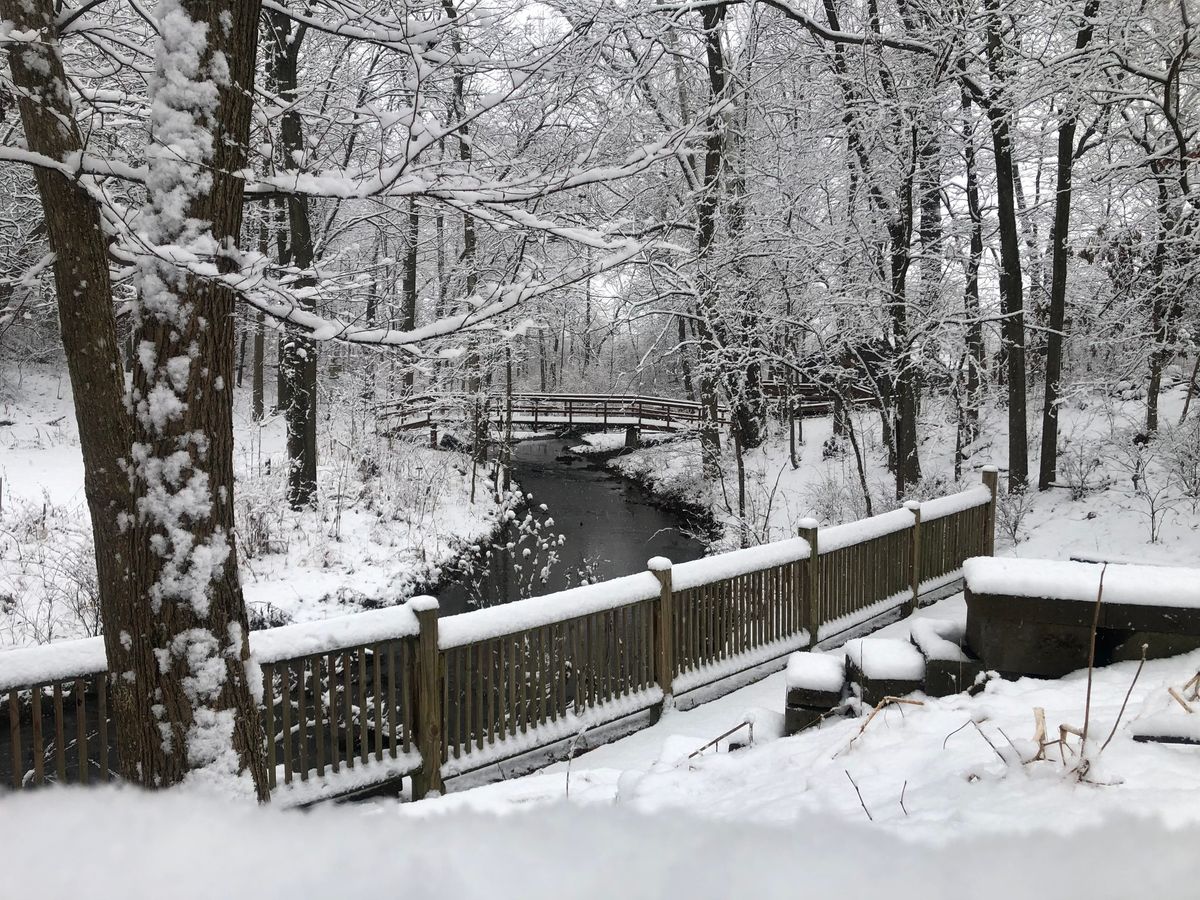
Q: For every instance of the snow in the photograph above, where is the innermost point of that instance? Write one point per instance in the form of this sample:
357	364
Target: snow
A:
816	671
731	564
1136	585
367	542
344	781
955	786
358	629
24	666
533	612
845	623
544	734
940	507
1179	724
939	639
886	659
723	668
851	533
132	844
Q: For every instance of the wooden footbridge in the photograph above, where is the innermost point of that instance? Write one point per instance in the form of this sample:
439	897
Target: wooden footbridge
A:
398	698
541	411
548	411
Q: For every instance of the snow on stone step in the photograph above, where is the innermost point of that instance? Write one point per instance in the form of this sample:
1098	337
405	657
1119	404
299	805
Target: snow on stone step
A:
939	639
1182	725
816	671
885	659
1141	585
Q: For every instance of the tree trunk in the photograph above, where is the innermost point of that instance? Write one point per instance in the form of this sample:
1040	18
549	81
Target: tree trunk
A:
1011	291
685	367
474	361
408	315
299	362
189	641
257	393
257	404
88	327
976	349
1048	464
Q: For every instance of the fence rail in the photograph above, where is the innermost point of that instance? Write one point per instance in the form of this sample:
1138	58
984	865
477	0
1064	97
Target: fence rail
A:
365	699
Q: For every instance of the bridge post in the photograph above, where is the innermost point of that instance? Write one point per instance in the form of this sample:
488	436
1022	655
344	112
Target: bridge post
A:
535	412
433	436
632	438
664	631
914	507
991	476
428	718
810	614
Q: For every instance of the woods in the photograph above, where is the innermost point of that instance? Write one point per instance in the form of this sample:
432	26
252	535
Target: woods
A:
719	201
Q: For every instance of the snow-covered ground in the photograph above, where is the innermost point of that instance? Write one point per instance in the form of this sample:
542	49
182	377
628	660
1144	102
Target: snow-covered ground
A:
175	846
390	515
950	767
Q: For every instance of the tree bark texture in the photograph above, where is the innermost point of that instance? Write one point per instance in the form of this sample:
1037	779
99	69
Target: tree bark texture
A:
1048	462
88	327
189	644
1011	291
299	359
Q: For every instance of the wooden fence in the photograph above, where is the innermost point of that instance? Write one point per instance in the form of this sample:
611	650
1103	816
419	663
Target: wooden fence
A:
363	700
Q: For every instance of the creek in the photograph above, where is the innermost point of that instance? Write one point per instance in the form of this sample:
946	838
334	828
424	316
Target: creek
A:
609	526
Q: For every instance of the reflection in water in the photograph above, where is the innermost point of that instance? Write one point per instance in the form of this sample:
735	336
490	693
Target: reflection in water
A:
608	525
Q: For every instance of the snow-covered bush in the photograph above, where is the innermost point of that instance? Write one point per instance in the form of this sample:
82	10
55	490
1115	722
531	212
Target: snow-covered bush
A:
1181	458
1142	461
834	498
48	588
1080	463
1011	512
526	546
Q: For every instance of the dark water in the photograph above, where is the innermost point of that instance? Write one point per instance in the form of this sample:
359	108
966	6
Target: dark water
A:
610	527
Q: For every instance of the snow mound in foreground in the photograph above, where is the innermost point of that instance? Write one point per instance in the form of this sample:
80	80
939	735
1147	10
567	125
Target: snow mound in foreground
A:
134	845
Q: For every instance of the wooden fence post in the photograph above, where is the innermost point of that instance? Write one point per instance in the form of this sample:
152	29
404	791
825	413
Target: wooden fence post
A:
428	718
914	507
811	611
990	481
664	629
433	436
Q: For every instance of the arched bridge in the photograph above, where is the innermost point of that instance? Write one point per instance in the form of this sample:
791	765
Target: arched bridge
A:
552	410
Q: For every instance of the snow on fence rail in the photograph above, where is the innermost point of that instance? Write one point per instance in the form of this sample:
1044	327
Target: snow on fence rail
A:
376	696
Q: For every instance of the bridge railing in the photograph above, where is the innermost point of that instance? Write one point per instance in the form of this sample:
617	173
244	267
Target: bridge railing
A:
367	699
